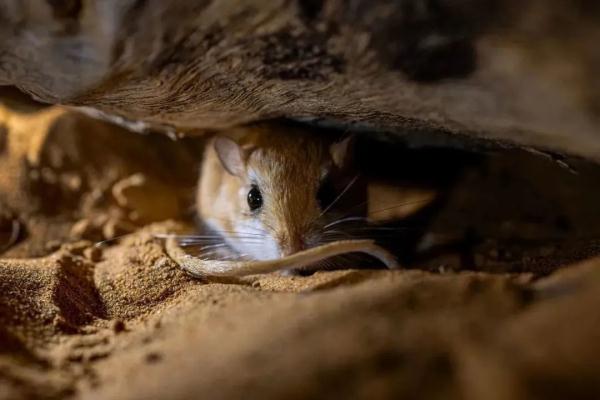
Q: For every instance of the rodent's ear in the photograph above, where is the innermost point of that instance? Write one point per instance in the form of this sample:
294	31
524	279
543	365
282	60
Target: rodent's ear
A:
230	154
341	152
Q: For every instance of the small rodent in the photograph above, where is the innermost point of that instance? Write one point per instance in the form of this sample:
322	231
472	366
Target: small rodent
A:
276	196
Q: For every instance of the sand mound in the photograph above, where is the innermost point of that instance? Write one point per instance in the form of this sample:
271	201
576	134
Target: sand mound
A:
123	322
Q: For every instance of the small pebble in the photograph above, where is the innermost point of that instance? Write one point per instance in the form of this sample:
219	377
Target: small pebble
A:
118	326
162	262
153	357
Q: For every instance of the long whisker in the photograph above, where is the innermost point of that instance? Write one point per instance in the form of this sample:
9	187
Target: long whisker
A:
204	238
218	234
349	219
334	232
408	203
184	237
234	233
255	232
208	247
348	186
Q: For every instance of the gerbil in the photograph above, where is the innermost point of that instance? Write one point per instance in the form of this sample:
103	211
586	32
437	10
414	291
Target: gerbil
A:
276	194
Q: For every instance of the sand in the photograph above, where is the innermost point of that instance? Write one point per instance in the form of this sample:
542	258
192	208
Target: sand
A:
122	321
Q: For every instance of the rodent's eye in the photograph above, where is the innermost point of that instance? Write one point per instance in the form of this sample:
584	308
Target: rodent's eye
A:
255	199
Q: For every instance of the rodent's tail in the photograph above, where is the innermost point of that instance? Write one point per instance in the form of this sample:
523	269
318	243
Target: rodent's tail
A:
201	268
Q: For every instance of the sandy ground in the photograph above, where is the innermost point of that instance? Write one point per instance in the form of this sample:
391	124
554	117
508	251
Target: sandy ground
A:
121	321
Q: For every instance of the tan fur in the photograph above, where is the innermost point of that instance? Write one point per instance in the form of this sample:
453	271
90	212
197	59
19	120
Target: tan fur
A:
287	164
272	156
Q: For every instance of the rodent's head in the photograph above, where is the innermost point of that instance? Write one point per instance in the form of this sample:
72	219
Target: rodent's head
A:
271	192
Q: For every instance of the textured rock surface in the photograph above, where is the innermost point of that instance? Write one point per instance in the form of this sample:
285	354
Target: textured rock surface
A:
505	70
